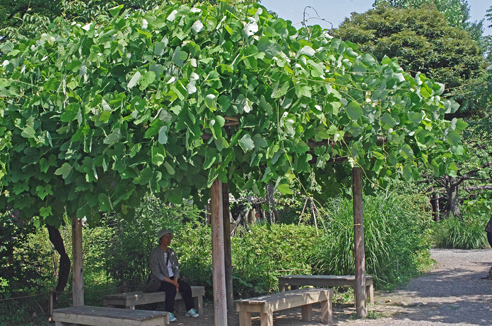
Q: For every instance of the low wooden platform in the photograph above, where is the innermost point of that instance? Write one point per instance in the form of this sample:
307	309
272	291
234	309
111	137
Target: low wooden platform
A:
294	281
103	316
131	299
268	304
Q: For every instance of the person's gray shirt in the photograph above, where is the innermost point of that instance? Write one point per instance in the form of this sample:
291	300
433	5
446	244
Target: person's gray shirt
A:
158	266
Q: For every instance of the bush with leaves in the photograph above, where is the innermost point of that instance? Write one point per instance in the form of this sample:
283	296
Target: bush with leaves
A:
129	247
467	231
267	252
25	257
395	246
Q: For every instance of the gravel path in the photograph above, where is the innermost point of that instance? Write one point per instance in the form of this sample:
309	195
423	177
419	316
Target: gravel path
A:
452	294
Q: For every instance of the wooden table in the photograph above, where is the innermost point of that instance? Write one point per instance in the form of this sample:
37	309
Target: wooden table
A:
324	281
131	299
268	304
103	316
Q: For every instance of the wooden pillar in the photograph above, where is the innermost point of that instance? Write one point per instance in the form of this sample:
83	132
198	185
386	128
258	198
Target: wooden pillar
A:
218	260
360	261
227	246
78	268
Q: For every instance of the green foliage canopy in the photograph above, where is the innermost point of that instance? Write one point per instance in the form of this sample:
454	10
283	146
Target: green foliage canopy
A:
93	116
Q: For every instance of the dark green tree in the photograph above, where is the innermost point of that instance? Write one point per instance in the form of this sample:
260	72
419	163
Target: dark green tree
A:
421	39
457	12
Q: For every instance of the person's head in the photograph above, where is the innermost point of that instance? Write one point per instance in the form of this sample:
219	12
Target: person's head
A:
164	237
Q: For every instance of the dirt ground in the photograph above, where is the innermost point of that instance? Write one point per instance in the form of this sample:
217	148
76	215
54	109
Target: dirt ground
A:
453	293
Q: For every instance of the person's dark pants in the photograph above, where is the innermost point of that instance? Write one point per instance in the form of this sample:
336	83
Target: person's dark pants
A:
170	289
489	237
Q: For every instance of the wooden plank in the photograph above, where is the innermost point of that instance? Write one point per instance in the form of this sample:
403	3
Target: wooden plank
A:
132	299
267	304
320	280
244	318
103	316
227	246
307	312
78	268
284	300
266	318
360	265
326	311
218	261
250	307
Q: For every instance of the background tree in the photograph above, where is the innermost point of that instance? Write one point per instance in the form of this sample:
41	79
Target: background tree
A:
457	12
421	39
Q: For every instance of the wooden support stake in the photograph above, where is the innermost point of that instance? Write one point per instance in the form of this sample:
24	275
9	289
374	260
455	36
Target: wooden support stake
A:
227	246
360	264
218	260
78	268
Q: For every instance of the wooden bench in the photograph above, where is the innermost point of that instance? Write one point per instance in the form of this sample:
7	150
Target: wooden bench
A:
325	281
267	304
131	299
103	316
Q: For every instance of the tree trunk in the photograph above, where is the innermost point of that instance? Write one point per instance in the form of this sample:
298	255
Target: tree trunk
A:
64	268
271	203
453	204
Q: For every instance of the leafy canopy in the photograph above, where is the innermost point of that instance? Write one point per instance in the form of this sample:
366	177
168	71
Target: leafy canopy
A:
170	99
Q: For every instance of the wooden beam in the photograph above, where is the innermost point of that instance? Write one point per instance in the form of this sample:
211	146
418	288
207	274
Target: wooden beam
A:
227	246
218	259
78	268
360	264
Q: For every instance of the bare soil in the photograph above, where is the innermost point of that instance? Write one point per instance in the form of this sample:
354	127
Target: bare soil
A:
453	293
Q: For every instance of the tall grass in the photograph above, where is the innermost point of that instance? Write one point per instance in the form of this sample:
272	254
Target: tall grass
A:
395	245
467	231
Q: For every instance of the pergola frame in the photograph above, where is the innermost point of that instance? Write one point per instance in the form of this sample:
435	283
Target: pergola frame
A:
221	245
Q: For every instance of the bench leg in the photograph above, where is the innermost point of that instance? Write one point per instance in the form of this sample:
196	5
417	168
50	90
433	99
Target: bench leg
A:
130	307
307	312
326	312
199	305
294	287
370	293
282	286
266	318
244	318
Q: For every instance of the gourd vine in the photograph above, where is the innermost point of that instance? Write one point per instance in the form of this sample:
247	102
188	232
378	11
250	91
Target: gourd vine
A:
168	100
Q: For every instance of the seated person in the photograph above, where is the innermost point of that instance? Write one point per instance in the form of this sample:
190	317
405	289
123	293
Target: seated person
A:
164	276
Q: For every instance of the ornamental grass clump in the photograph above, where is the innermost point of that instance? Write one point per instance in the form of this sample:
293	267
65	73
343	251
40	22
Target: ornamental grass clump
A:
394	228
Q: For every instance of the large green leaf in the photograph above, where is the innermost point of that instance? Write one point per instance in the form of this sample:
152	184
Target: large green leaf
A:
354	110
135	79
64	170
246	143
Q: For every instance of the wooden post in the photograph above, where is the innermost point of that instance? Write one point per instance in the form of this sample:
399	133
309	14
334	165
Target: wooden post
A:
360	262
227	246
218	260
78	269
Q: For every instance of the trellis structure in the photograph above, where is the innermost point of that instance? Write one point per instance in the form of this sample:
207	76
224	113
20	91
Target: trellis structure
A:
93	116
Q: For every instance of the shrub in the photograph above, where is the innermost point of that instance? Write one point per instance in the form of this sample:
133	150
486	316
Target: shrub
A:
267	252
128	249
466	232
25	256
395	246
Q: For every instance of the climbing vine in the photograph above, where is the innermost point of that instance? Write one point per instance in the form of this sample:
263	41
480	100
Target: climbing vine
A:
170	99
